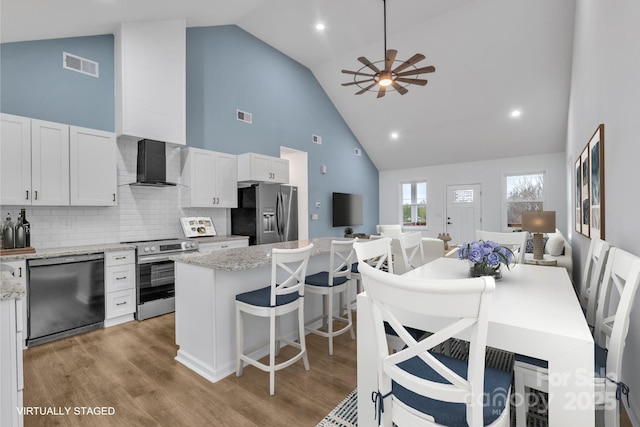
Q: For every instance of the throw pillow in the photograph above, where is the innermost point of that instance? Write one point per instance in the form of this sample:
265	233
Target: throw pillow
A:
529	244
555	245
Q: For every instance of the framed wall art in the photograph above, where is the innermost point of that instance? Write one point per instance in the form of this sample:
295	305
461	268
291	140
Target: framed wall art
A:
577	197
584	190
588	199
596	183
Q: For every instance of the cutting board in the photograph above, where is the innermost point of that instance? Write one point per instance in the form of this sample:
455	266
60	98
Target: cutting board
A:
18	251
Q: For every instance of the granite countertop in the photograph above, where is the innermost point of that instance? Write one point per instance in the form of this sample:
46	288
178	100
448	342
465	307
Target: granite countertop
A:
237	259
10	287
70	250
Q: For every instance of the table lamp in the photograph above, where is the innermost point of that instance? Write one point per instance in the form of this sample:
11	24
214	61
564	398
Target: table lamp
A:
538	222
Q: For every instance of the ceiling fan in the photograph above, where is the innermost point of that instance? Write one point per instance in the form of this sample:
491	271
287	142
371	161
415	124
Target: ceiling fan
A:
388	76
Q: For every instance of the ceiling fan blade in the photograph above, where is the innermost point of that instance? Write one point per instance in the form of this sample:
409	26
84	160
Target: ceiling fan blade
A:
358	73
411	81
391	57
409	62
357	83
401	89
363	90
423	70
381	92
368	63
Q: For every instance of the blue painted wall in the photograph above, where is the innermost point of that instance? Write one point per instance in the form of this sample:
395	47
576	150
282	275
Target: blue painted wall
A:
34	84
227	69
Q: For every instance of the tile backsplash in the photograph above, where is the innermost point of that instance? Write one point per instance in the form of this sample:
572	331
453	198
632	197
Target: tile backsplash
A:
142	212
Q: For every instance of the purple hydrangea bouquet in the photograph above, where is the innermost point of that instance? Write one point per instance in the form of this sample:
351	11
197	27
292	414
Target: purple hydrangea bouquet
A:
485	258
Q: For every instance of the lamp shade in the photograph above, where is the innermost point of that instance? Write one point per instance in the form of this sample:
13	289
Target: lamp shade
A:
539	221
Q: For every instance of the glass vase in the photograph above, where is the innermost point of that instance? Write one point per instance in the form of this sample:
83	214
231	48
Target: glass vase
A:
479	269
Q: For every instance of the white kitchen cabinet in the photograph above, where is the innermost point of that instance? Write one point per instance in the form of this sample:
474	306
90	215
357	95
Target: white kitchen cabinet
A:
93	171
150	63
35	162
119	287
227	244
11	371
261	168
15	160
210	178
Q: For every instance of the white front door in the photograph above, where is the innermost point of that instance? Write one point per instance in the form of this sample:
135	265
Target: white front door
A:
464	212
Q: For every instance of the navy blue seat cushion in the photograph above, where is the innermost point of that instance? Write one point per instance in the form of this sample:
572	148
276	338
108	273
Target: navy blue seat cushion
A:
415	333
322	279
354	268
599	353
262	297
496	387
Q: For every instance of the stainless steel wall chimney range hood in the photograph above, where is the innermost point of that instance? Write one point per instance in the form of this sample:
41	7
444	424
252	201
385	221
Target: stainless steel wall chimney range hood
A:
152	164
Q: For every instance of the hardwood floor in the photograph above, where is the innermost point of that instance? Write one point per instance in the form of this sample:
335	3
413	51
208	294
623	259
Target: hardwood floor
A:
131	368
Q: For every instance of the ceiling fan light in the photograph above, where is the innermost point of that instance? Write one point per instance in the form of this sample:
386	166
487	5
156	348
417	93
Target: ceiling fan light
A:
385	79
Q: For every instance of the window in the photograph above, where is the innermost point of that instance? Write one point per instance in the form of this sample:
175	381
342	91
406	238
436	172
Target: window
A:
523	193
414	204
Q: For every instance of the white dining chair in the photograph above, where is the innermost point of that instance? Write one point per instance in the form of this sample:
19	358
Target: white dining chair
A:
411	253
432	249
336	282
592	278
417	387
622	276
389	230
283	296
515	241
375	252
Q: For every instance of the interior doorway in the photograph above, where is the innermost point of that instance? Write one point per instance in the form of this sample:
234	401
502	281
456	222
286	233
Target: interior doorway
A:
464	212
299	176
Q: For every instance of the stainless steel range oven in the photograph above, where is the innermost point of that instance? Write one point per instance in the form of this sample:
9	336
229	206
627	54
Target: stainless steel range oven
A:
155	290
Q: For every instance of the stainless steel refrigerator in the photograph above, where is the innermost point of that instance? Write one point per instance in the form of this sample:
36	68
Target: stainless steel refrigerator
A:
267	213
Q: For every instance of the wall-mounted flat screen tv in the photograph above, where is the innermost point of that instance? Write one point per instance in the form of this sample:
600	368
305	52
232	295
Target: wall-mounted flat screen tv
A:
347	209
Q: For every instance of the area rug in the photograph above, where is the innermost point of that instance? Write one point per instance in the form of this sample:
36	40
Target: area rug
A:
346	413
343	415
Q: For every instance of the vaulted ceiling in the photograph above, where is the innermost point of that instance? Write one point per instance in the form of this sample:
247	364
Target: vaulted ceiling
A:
491	57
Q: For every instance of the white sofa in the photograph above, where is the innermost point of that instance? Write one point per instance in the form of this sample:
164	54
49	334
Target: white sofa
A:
557	247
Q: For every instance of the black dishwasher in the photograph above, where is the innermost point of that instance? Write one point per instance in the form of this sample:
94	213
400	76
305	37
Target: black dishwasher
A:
65	297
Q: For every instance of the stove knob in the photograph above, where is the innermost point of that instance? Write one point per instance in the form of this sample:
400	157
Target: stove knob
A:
193	245
153	248
146	248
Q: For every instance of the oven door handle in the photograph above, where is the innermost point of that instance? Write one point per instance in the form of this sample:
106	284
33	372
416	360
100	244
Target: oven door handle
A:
153	258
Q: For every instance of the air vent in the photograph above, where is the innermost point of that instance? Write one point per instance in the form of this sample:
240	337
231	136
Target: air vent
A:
243	116
316	139
79	64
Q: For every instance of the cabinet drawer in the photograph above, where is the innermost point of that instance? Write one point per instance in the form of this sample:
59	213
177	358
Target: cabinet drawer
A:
119	258
120	278
218	246
119	303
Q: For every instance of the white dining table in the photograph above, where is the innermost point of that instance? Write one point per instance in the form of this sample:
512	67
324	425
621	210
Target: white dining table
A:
534	312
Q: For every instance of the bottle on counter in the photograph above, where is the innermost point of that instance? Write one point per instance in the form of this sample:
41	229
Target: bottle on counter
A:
7	233
27	228
18	234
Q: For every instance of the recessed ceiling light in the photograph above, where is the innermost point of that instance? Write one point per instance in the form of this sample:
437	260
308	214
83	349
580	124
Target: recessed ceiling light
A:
516	113
320	26
394	135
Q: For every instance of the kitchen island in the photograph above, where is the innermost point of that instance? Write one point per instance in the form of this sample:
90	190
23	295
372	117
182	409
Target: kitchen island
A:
206	287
